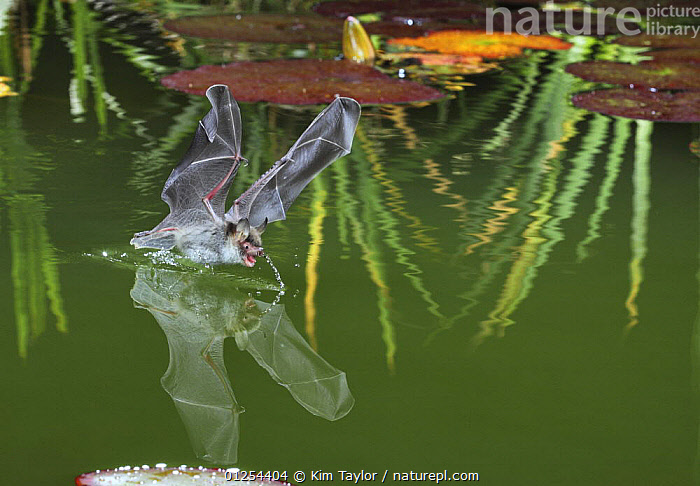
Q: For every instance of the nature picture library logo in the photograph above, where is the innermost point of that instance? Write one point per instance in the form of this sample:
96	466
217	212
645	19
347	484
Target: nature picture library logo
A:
656	20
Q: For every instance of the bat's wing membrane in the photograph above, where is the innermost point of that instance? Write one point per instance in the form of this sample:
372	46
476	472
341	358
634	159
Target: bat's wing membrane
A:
206	171
327	138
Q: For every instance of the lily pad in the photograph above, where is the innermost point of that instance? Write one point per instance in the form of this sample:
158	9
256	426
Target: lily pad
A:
414	9
170	476
676	55
683	106
489	46
301	82
271	28
646	40
646	75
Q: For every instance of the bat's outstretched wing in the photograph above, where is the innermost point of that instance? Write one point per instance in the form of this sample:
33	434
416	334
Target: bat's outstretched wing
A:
196	189
328	137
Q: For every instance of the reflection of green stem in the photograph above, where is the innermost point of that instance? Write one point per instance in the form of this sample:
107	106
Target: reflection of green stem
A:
367	238
577	178
34	273
640	214
36	41
34	270
559	127
612	169
318	214
97	78
138	57
389	224
342	185
147	167
78	89
19	282
503	133
523	272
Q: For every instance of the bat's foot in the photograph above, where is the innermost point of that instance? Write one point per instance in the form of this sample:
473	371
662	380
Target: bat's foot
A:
162	239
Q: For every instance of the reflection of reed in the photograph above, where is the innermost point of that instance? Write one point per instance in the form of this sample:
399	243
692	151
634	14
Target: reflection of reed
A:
577	178
345	201
35	279
502	211
442	185
389	225
612	169
367	238
503	132
641	180
397	114
524	270
148	166
541	233
34	273
318	214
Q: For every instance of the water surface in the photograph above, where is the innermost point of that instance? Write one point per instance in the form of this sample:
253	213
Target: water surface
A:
497	283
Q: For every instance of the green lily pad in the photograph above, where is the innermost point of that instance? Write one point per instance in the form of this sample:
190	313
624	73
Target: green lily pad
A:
301	82
646	75
285	29
676	55
683	106
646	40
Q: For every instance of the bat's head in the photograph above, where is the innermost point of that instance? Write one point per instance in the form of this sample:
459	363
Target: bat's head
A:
247	239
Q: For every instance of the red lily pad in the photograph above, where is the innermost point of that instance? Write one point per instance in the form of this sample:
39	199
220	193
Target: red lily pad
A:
301	82
676	55
271	28
645	75
171	476
683	106
646	40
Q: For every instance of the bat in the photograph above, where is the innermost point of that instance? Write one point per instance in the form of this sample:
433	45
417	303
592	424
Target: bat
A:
196	189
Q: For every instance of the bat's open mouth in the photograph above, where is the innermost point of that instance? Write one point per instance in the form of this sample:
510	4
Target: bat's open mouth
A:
250	251
249	261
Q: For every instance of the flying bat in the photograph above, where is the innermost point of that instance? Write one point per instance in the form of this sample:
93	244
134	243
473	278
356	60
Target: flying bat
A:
196	189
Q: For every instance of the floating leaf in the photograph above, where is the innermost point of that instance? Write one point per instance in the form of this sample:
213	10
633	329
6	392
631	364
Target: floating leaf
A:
646	75
301	82
170	476
356	43
683	106
409	9
676	55
432	59
646	40
491	46
272	28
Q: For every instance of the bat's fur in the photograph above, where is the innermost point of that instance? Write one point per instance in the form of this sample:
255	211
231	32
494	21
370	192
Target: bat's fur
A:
196	189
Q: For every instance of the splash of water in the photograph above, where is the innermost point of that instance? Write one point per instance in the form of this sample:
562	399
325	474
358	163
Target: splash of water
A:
278	277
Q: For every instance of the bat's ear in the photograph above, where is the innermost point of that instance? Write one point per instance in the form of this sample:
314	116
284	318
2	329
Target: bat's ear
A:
242	230
261	229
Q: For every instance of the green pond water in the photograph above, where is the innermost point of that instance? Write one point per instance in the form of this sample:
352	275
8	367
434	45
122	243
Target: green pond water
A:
496	283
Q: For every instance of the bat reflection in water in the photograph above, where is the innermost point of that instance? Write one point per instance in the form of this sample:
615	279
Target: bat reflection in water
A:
196	189
197	313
